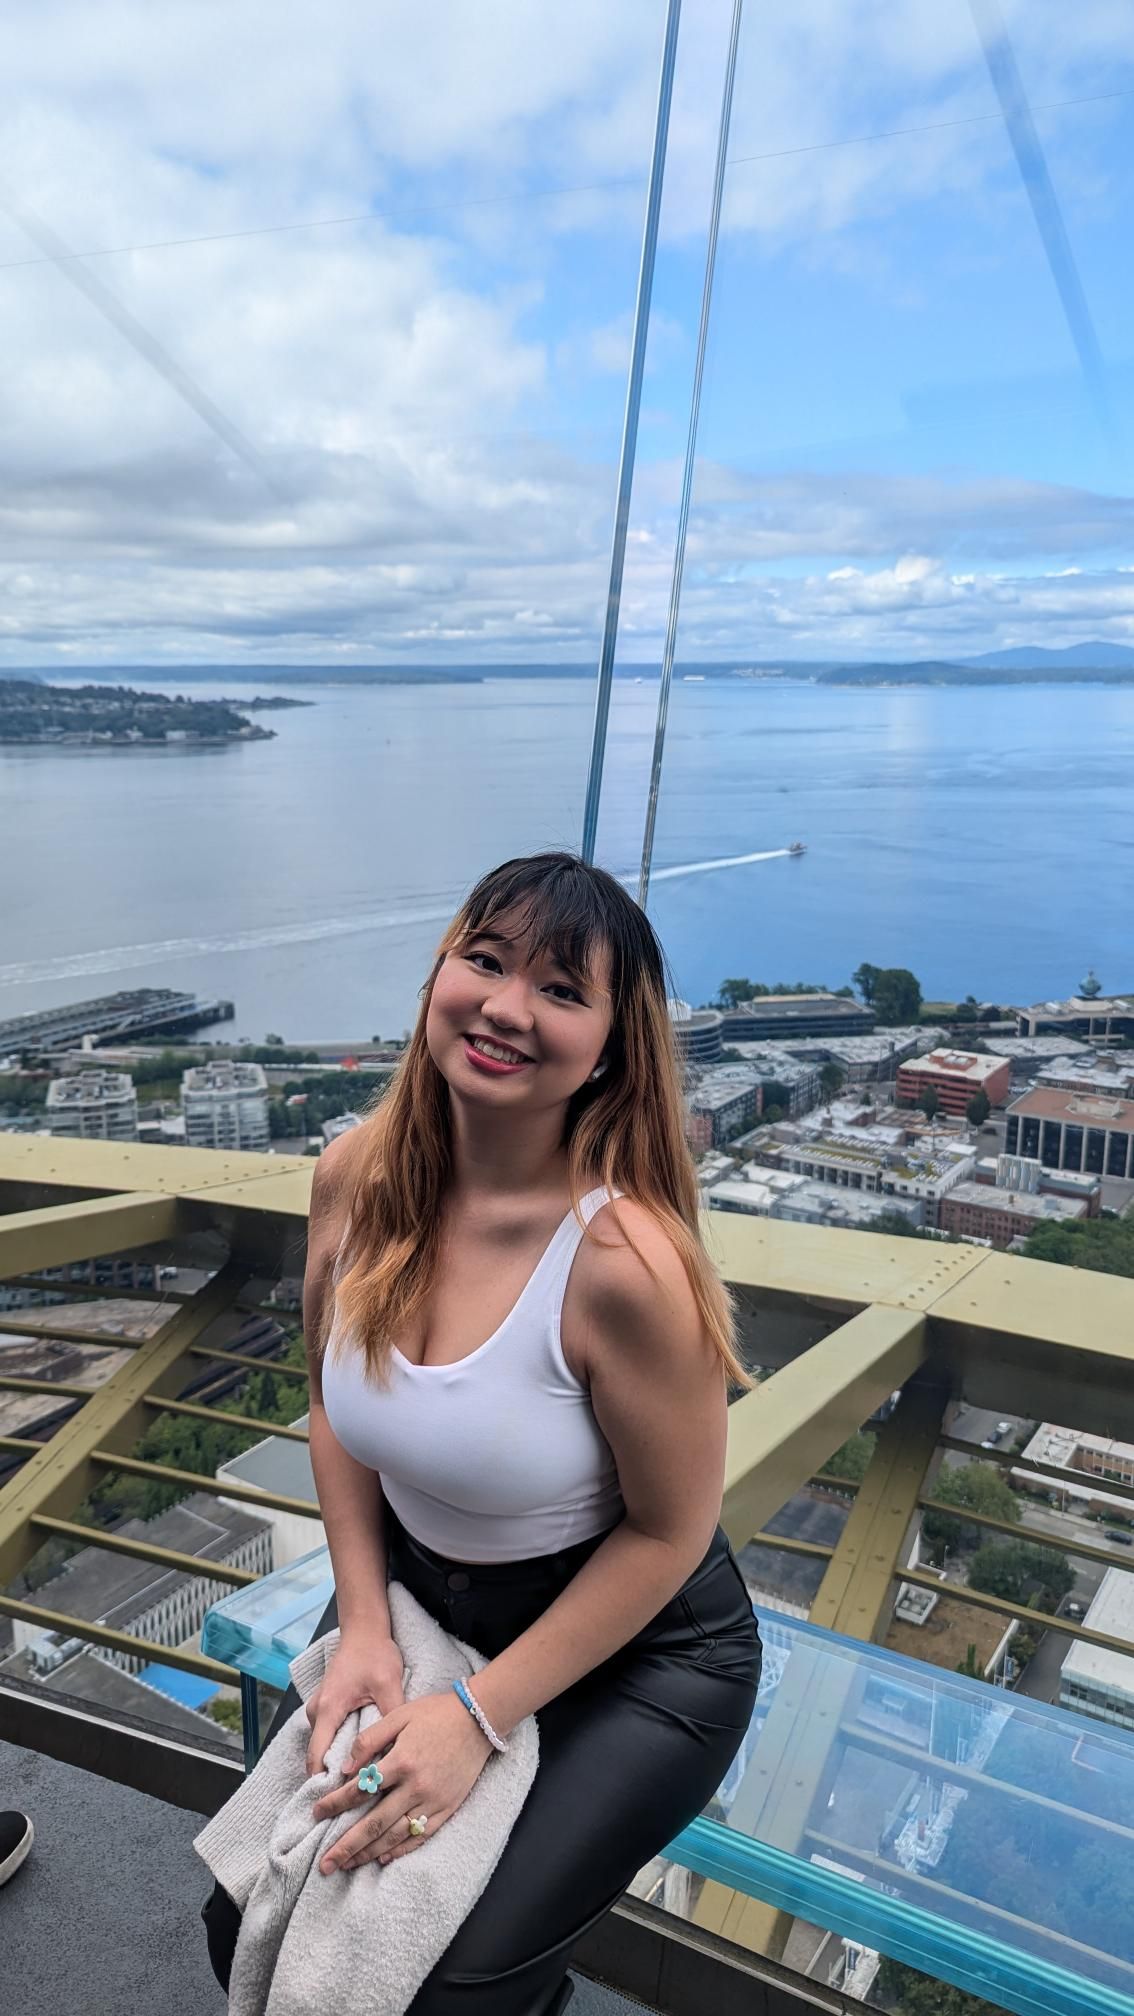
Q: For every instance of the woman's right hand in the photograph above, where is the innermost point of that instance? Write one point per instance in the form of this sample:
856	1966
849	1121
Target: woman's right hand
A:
365	1669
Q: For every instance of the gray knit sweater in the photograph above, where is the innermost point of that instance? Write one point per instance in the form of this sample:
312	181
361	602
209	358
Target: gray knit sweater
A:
361	1942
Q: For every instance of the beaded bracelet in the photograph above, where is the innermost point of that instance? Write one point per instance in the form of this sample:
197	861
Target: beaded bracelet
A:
477	1711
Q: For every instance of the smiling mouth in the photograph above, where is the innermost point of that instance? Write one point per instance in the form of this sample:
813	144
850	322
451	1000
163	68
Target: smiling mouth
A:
499	1053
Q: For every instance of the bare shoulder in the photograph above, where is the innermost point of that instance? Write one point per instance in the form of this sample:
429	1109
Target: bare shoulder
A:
333	1181
632	1282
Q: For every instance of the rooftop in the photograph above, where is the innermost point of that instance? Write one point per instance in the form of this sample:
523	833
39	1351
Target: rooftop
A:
224	1076
1075	1109
955	1064
1111	1610
90	1088
1039	1205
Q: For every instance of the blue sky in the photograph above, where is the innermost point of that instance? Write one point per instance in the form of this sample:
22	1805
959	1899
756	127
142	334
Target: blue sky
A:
898	455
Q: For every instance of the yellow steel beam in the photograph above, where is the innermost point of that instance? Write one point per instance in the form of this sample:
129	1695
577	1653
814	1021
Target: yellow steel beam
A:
48	1333
60	1476
786	1428
144	1550
19	1444
856	1595
61	1232
792	1546
1031	1536
144	1649
242	1360
217	1417
220	1487
62	1163
855	1599
60	1386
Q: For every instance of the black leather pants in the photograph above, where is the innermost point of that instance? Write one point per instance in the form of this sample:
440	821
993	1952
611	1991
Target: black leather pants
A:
627	1757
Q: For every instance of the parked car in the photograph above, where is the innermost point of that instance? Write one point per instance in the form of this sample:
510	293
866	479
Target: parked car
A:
1123	1539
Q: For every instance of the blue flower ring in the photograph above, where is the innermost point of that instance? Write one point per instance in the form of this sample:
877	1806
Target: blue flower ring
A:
369	1778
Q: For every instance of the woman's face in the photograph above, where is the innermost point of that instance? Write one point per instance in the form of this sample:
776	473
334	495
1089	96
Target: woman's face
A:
505	1028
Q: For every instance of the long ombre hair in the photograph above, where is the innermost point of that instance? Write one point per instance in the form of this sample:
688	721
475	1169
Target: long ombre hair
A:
624	1130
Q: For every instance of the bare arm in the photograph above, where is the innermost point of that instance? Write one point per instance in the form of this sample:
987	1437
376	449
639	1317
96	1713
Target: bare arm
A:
659	1396
350	1494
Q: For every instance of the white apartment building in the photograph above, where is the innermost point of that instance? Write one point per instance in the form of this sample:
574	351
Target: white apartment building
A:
93	1105
226	1106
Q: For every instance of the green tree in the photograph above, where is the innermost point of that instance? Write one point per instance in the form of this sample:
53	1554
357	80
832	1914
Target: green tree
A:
913	1994
225	1711
977	1486
897	996
832	1078
929	1102
1105	1245
866	979
978	1108
970	1665
731	993
853	1459
1018	1572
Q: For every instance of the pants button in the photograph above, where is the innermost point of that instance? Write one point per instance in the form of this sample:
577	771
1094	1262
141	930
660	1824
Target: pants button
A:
458	1579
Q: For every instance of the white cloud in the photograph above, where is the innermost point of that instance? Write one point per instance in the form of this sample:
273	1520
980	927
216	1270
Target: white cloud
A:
435	487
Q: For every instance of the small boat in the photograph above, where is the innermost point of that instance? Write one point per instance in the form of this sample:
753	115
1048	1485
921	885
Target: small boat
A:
797	847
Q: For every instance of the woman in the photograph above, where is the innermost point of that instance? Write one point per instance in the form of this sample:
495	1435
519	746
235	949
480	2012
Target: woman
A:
520	1356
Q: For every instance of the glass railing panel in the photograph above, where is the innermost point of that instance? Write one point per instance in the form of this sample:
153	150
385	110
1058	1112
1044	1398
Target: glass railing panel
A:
962	1830
972	1834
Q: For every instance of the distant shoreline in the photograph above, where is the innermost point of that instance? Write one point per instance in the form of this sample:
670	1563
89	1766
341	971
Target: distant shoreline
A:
817	673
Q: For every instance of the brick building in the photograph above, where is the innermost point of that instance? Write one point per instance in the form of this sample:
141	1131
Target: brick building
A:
955	1075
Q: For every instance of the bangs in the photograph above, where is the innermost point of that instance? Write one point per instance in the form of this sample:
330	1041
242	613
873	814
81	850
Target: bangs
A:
557	910
569	911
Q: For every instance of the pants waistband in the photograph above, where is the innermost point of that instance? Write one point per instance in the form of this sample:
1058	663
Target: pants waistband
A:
481	1573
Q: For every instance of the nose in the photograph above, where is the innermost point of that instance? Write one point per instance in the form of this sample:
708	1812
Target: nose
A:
509	1004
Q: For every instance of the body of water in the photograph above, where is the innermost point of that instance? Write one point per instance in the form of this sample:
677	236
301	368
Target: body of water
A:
984	839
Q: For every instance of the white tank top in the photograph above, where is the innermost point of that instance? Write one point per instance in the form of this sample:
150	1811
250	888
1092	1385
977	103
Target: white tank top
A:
497	1457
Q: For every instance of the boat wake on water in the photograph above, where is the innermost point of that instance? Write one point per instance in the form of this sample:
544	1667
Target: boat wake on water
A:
165	951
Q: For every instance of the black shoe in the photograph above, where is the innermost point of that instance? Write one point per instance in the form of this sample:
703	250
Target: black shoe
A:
16	1837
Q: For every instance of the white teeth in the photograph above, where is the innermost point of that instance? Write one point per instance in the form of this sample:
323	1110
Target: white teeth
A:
497	1051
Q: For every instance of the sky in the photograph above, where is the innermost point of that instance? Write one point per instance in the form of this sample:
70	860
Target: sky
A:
317	324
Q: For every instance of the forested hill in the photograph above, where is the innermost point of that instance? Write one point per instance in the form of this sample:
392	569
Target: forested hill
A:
114	716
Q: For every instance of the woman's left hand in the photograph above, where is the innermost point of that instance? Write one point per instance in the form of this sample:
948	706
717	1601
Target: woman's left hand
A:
434	1753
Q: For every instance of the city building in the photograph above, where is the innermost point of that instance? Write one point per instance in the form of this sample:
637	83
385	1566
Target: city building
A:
1073	1130
955	1076
162	1605
910	1175
1084	1458
867	1060
94	1105
697	1032
723	1102
817	1204
1029	1054
138	1011
980	1211
279	1465
226	1106
776	1065
753	1190
1023	1172
1092	1680
784	1015
1100	1016
1105	1071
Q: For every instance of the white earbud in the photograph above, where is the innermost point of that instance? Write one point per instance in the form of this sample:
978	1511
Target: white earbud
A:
598	1070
